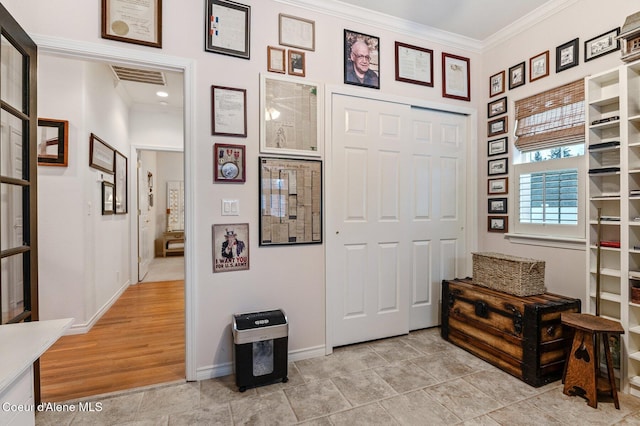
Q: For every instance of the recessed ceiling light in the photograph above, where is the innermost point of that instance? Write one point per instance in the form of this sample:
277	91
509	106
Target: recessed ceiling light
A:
162	94
164	103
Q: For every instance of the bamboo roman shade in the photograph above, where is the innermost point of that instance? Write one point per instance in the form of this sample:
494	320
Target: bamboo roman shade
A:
551	118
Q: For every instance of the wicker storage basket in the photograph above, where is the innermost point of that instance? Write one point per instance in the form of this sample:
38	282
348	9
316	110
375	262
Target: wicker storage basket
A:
510	274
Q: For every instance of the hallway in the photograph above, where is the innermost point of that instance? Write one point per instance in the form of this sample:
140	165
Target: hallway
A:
138	342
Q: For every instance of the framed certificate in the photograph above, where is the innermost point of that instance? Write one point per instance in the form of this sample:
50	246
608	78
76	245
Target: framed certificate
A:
228	111
296	32
228	26
414	64
138	22
456	77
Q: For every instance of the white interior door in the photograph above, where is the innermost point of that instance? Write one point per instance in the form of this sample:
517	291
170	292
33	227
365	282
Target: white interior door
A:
396	180
437	217
145	247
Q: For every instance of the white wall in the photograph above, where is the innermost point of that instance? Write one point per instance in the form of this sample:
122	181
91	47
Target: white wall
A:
585	19
293	277
83	255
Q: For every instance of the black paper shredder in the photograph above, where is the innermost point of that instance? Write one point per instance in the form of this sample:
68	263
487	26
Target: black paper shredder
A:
261	341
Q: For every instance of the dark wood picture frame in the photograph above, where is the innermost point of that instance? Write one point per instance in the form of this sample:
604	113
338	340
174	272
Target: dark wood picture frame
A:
497	205
498	186
108	198
499	166
53	142
121	183
137	26
517	75
602	44
215	30
371	77
497	107
229	163
228	111
567	55
539	66
498	224
414	64
101	155
454	68
296	62
497	84
498	146
497	126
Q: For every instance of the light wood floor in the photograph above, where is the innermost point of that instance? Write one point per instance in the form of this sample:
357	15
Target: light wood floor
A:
138	342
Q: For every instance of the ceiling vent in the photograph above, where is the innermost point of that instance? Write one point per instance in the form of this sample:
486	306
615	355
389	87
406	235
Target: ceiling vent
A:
139	76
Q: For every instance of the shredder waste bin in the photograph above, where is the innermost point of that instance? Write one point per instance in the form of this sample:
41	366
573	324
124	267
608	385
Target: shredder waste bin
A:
261	348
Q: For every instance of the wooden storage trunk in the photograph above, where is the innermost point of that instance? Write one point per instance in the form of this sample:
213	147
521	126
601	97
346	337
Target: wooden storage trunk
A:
520	335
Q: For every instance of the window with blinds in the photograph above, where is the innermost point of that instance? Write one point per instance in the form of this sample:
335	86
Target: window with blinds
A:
549	197
551	118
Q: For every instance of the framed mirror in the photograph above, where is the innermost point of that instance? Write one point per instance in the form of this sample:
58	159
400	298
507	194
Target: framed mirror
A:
53	142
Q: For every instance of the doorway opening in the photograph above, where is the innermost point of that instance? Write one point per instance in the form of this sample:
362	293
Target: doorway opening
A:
90	300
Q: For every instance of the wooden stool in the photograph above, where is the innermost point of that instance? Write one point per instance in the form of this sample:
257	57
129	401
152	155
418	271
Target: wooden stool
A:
582	369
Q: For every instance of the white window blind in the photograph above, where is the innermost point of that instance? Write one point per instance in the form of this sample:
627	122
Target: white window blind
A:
549	197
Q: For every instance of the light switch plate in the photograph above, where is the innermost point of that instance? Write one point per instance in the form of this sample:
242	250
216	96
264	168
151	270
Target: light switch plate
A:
230	207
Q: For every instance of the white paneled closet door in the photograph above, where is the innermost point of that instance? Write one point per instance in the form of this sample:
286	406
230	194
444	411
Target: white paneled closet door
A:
394	218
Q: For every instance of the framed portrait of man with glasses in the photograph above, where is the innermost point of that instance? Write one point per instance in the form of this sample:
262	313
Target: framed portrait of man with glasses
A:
361	59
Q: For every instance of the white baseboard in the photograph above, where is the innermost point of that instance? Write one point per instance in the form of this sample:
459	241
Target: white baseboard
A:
85	327
219	370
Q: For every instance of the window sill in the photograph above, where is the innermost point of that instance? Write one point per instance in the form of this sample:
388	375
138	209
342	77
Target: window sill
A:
548	241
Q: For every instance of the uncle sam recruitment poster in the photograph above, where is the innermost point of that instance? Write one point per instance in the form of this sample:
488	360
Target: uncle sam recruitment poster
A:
230	247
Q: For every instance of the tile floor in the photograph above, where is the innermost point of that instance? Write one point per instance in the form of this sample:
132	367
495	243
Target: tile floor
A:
417	379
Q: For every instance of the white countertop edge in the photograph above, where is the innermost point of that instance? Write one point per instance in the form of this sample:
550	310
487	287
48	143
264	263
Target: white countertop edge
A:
23	343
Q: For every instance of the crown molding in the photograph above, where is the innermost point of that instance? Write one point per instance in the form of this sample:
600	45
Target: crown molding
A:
527	21
383	21
369	17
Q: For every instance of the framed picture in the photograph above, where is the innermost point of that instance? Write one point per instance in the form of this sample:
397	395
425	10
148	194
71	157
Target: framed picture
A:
121	180
228	111
497	107
456	77
290	201
498	223
517	75
289	116
567	55
228	163
602	45
498	186
53	142
414	64
139	23
361	59
230	247
296	32
497	167
296	63
276	61
497	126
228	26
497	205
101	155
497	147
539	66
107	198
496	84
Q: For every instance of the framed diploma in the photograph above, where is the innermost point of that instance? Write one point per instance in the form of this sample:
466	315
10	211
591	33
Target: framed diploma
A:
296	32
414	64
228	111
456	77
101	155
289	116
133	21
228	27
